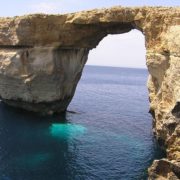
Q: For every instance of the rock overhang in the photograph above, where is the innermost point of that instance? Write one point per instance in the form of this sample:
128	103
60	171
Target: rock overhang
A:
77	29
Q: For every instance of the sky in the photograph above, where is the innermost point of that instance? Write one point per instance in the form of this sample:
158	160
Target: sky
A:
124	50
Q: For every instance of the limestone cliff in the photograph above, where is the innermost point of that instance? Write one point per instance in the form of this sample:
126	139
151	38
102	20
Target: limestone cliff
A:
40	79
42	58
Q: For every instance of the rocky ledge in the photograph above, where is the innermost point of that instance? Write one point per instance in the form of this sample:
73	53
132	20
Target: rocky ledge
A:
42	58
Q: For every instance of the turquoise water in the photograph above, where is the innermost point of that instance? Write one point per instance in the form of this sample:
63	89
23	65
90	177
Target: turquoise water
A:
66	130
109	136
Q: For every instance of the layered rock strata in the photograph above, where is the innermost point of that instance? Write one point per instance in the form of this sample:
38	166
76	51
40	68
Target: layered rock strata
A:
42	58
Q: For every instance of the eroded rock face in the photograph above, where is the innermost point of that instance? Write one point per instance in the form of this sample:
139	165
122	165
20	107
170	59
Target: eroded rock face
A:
42	58
41	79
164	169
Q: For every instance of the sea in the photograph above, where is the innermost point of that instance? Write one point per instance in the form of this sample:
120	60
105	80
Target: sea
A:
106	133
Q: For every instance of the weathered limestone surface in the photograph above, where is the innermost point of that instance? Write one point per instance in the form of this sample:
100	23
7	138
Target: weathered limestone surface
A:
40	79
42	58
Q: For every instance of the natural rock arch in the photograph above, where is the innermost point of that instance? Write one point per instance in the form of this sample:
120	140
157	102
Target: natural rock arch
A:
42	57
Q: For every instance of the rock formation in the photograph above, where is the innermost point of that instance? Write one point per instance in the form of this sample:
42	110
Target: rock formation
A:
42	58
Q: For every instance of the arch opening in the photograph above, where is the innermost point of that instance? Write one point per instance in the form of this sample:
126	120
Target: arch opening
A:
115	107
121	50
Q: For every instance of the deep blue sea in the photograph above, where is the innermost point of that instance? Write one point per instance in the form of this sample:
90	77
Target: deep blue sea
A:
107	136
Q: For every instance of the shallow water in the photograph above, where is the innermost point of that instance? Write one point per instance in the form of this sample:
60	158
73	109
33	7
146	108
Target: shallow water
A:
109	136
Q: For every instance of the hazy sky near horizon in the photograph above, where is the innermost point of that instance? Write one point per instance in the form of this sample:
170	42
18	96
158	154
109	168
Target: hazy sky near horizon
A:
125	50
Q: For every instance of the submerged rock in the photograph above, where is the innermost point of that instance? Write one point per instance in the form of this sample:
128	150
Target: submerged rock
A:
42	58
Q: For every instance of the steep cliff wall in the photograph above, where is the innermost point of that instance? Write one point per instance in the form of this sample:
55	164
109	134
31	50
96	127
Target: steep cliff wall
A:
40	79
42	58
